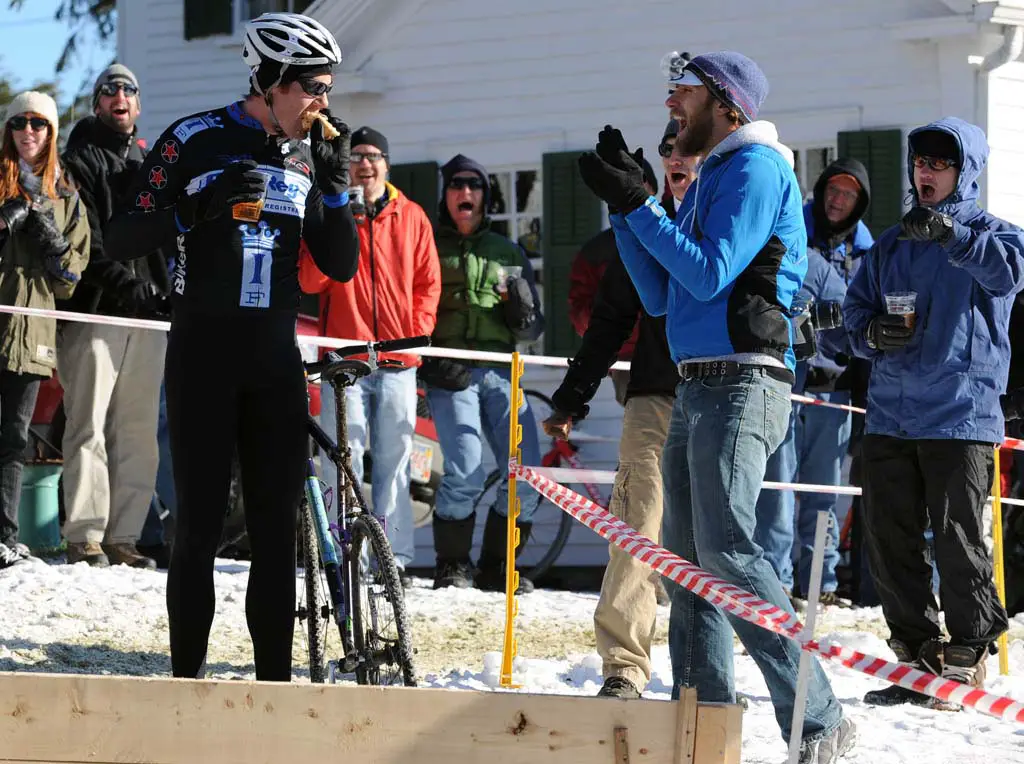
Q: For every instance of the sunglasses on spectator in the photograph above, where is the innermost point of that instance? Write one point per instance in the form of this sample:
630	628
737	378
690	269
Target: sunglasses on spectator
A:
111	88
474	184
315	88
370	156
665	149
21	122
935	164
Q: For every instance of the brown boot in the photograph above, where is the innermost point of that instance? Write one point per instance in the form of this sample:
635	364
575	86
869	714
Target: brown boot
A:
961	664
89	552
127	554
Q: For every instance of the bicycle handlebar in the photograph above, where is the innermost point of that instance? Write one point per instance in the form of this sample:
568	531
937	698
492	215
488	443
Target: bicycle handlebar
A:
334	357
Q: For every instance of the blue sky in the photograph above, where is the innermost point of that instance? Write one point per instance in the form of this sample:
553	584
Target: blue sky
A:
31	42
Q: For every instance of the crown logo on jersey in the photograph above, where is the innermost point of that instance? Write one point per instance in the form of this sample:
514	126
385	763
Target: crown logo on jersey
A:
259	239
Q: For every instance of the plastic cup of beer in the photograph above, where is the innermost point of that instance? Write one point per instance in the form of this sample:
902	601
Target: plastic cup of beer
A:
902	304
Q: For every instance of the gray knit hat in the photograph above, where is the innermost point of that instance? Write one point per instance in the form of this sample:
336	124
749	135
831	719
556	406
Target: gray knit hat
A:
113	73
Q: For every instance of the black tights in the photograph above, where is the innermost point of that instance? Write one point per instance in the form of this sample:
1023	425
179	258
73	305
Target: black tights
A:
235	383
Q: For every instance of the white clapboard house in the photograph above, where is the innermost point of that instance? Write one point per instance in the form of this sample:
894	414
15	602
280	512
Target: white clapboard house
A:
524	85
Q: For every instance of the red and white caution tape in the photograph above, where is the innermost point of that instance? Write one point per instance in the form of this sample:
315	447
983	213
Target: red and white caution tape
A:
825	404
606	477
743	604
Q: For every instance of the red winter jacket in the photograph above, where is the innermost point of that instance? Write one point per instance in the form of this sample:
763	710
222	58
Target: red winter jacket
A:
587	268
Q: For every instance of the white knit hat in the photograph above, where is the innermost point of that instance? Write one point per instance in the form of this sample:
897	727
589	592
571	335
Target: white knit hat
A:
34	101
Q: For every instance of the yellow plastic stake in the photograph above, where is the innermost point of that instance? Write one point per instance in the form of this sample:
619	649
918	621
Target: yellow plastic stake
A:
515	437
997	554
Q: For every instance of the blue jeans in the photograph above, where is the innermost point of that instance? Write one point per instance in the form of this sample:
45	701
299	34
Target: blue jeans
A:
153	529
383	407
463	419
722	432
812	452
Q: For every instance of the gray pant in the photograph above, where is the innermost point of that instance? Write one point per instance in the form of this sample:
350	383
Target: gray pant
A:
111	378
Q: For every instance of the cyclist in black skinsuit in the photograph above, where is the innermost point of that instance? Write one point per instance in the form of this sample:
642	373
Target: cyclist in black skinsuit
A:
234	374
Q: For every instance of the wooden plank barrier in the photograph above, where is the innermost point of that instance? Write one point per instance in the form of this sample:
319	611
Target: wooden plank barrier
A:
70	718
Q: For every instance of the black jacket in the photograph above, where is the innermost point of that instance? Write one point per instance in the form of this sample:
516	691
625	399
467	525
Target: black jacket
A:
616	309
102	163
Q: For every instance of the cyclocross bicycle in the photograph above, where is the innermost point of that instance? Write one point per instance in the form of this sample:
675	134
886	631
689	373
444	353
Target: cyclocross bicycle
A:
349	570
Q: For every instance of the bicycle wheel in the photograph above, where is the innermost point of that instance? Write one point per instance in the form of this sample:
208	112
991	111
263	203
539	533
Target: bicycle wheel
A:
314	609
380	623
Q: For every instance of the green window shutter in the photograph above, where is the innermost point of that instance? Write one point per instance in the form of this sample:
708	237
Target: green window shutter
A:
881	151
204	18
420	182
572	215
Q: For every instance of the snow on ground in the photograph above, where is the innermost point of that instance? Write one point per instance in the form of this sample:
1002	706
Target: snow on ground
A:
61	618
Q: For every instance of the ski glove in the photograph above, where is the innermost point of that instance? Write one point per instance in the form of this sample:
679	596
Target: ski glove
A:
925	224
331	157
49	239
620	185
888	332
13	213
519	306
239	182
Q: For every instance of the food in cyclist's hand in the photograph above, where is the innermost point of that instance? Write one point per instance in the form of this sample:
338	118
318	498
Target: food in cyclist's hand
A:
330	132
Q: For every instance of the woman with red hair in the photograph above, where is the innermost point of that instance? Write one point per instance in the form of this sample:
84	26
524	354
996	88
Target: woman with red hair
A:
44	245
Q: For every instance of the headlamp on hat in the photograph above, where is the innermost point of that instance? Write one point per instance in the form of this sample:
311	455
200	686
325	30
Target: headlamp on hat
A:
673	66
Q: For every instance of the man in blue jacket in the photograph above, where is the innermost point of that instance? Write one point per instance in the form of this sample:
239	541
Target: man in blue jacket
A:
724	274
818	437
933	404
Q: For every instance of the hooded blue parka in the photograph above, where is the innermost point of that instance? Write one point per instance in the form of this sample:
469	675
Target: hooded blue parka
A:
945	383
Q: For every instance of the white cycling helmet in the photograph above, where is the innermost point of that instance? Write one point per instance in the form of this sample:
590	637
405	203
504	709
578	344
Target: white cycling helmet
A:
287	39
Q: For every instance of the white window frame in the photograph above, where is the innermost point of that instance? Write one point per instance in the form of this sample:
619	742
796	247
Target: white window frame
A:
513	217
800	167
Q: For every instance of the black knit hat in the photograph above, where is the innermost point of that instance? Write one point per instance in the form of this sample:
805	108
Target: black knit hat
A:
462	163
369	137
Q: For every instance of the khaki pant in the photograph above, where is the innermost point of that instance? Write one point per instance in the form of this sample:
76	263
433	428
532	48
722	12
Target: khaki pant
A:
111	378
624	619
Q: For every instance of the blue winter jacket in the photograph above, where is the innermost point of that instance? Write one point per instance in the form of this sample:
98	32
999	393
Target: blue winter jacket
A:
726	270
946	382
823	284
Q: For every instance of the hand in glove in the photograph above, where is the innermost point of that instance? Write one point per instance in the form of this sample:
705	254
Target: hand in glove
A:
620	186
331	157
13	214
134	295
925	224
557	426
239	182
49	239
518	305
888	332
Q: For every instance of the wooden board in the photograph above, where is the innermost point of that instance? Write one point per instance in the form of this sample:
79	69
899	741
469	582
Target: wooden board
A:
62	718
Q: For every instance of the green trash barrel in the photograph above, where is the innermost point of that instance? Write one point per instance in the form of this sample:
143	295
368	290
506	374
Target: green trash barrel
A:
39	509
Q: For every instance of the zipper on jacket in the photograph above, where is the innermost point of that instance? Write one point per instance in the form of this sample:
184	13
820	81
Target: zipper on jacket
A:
373	278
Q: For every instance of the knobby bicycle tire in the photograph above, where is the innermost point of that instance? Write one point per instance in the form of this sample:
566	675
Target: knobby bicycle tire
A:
317	610
374	652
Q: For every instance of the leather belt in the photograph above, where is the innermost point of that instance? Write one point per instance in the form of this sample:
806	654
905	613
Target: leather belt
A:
703	369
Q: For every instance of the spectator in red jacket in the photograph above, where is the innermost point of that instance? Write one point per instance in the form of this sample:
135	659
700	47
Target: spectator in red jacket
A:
394	294
587	268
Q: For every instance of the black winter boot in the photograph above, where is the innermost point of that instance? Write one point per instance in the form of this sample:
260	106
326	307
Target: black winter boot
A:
453	542
929	658
490	576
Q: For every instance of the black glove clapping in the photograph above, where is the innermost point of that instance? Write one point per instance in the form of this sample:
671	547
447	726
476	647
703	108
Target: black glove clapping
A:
239	182
925	224
519	306
331	157
889	332
13	213
49	239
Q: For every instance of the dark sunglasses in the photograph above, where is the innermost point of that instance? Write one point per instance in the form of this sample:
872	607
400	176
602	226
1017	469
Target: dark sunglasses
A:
474	184
21	122
935	164
111	88
315	88
665	149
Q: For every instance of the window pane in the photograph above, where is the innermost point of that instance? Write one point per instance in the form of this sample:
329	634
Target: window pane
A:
298	6
817	161
528	190
528	235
